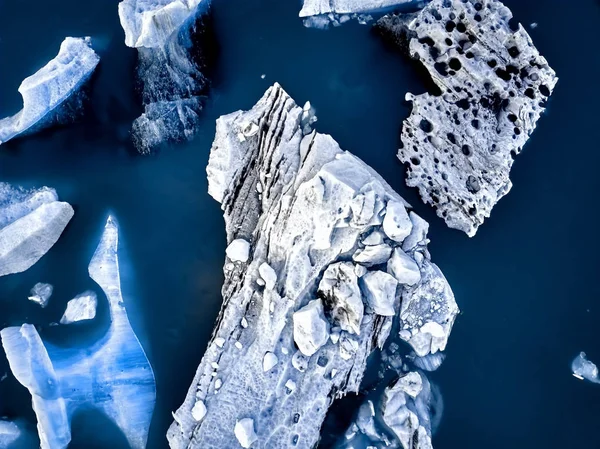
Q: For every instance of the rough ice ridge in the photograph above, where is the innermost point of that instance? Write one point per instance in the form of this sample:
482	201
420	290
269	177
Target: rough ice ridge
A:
53	94
459	146
113	375
168	36
31	221
80	308
305	207
584	369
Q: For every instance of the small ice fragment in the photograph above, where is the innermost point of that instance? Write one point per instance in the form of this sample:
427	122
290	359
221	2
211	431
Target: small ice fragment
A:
534	25
244	432
40	293
584	369
403	268
311	329
373	255
80	308
244	323
218	384
215	365
238	250
268	275
238	345
269	361
396	223
220	342
263	76
379	289
199	411
290	385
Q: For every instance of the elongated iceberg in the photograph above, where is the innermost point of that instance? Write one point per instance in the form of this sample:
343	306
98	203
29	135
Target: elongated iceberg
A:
459	143
31	221
113	376
168	35
297	326
53	95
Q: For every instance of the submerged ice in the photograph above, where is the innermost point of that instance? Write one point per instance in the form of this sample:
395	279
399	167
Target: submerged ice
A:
31	221
53	94
293	337
584	369
113	375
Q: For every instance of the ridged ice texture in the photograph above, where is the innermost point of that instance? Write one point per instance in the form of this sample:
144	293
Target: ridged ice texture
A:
31	221
459	147
321	13
113	375
168	36
304	206
52	95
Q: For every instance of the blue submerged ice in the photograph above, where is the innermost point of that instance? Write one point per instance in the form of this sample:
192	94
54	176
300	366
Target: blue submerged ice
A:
15	435
47	94
113	375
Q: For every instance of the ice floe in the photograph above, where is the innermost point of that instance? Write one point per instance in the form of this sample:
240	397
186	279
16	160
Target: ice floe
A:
41	293
80	308
584	369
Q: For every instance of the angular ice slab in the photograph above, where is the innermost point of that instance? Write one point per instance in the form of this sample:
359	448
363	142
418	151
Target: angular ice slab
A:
584	369
282	352
322	13
459	145
80	308
113	376
41	293
50	96
31	221
166	32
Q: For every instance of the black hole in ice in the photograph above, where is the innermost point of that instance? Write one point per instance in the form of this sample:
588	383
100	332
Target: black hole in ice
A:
322	361
473	211
470	55
492	63
530	93
513	25
475	123
514	51
426	126
478	6
512	118
463	104
544	90
517	131
448	41
441	68
461	28
415	161
503	74
427	40
451	138
477	18
466	150
450	26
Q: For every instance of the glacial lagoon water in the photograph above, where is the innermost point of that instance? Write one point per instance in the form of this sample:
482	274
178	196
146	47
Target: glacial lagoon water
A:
527	283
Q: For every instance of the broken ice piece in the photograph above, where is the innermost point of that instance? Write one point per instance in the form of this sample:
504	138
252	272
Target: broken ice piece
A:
80	308
311	328
199	411
40	293
379	289
244	432
396	223
584	369
238	250
269	361
113	375
268	275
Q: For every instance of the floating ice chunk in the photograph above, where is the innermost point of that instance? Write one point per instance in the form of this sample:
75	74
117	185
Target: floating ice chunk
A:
269	361
268	275
40	293
199	411
584	369
396	223
238	250
403	268
30	224
372	255
244	432
340	288
311	329
379	289
50	88
80	308
113	375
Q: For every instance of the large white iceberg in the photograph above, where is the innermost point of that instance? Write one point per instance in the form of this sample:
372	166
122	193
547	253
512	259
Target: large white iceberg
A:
113	376
168	36
281	355
47	92
31	221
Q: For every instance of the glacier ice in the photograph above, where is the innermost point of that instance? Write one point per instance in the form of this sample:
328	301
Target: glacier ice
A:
31	221
170	64
80	308
40	293
459	144
305	207
53	94
113	375
584	369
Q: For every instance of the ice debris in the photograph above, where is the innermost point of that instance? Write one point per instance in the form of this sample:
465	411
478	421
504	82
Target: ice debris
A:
584	369
53	95
113	375
168	36
40	294
244	432
80	308
459	144
315	206
323	13
238	250
31	221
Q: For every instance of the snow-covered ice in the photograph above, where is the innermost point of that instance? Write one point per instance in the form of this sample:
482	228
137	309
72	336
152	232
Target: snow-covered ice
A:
40	293
113	375
80	308
51	95
31	221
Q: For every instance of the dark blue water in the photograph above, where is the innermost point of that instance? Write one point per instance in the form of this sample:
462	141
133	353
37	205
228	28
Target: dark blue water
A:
527	283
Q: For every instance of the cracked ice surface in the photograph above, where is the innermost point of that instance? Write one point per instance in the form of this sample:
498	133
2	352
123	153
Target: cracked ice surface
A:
31	221
305	207
164	32
113	375
51	87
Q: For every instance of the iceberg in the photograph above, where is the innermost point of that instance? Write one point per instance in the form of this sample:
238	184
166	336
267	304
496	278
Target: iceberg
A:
281	353
584	369
80	308
459	144
40	294
53	95
113	375
31	221
170	64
